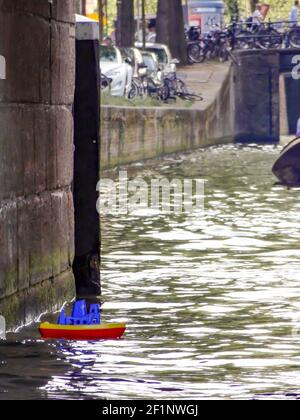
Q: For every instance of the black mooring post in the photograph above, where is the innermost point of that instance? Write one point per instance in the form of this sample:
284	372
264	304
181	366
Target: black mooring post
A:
86	265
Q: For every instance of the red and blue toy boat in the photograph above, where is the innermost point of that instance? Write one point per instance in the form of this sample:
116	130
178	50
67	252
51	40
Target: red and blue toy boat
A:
82	333
82	325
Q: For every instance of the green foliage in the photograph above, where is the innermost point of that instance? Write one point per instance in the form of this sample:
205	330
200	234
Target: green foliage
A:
151	8
232	7
279	10
107	99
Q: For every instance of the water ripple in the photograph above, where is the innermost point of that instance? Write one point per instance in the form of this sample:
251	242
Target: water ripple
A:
212	301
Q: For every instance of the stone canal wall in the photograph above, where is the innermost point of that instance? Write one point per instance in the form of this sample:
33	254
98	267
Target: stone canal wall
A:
130	134
256	87
36	155
266	95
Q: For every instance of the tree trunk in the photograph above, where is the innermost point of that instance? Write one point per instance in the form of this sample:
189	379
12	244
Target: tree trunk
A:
253	4
101	20
170	28
125	23
81	7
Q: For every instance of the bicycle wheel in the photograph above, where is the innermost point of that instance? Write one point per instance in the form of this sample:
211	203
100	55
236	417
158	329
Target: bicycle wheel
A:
243	41
171	85
193	97
201	54
194	52
181	88
294	37
152	89
134	91
213	51
268	38
164	92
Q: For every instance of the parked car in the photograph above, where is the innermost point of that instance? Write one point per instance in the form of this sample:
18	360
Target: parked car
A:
133	57
163	54
113	67
153	67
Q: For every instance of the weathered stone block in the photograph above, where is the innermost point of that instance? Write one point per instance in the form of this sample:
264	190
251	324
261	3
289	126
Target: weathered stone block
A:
9	249
40	248
36	147
35	7
23	244
26	50
60	231
31	75
62	64
11	168
62	136
27	305
36	154
71	227
44	237
63	11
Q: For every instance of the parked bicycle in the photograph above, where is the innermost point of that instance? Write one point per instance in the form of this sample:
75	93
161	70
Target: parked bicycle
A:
193	34
175	87
241	36
216	44
293	37
264	36
137	88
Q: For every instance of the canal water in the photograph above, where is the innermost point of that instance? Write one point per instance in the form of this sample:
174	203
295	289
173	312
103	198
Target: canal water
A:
212	301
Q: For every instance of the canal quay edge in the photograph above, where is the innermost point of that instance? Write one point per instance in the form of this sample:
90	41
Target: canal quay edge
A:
130	134
251	99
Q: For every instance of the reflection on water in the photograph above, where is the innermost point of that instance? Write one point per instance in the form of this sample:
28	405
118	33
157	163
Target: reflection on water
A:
212	302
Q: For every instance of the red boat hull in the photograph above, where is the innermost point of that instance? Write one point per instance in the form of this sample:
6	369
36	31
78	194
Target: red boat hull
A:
114	333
